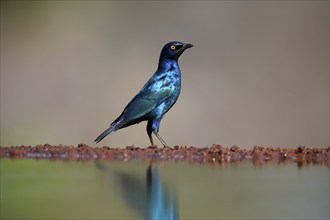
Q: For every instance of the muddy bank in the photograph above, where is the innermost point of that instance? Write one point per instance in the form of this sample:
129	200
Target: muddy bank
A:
216	154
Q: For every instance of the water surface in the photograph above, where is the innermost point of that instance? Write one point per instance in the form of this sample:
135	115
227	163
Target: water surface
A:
40	189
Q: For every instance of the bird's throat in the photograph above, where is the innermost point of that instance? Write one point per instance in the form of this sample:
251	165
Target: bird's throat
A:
168	66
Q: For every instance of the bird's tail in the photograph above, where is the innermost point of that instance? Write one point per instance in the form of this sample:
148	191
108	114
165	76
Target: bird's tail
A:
113	127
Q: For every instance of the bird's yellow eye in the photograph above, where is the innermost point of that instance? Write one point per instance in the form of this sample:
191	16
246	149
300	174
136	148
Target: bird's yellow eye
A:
173	47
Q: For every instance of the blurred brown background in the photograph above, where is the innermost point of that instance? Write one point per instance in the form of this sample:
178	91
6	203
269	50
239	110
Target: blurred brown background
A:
258	74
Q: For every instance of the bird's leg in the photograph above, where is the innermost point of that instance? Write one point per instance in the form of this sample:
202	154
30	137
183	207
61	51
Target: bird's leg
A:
160	138
151	141
149	131
153	127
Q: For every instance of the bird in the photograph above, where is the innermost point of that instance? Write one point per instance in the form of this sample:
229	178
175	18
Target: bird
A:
156	97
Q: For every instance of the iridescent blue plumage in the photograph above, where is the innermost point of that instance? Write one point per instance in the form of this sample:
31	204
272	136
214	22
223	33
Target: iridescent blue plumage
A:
156	97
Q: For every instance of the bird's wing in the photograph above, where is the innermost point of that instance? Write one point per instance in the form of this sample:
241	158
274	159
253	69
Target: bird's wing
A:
145	101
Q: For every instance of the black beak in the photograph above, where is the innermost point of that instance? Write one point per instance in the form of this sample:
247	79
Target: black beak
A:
186	46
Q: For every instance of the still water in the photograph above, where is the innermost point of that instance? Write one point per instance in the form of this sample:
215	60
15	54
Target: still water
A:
43	189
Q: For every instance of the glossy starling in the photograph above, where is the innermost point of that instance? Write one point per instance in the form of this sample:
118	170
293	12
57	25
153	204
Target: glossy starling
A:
156	97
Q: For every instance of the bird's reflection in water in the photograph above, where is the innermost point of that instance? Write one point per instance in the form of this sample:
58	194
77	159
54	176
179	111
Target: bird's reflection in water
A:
148	197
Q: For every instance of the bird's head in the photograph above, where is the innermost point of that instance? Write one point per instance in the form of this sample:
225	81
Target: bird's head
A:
173	50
